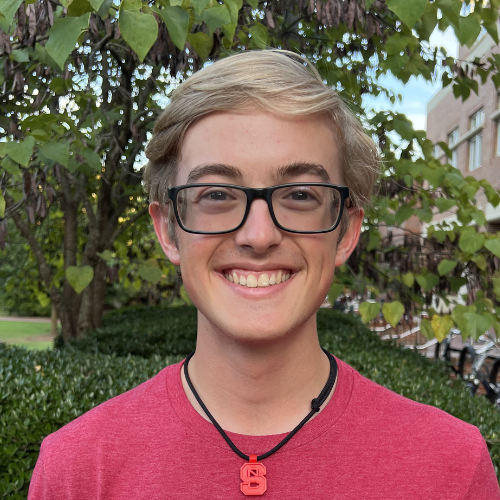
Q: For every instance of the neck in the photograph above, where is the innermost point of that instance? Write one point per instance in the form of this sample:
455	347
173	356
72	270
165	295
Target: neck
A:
257	389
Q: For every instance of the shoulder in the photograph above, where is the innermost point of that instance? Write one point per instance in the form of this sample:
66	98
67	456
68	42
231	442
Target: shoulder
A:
411	421
120	416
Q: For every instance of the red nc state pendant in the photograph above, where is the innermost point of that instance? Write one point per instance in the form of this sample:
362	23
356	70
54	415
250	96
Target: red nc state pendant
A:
253	476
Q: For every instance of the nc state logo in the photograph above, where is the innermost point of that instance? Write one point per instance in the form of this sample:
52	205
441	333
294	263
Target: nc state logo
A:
254	480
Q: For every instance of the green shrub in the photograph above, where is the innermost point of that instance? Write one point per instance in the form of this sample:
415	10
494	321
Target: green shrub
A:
143	331
43	390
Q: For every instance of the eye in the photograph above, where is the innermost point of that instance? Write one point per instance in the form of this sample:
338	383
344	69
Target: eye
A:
216	195
300	196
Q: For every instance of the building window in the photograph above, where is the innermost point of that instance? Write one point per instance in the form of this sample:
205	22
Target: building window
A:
476	120
497	144
437	151
453	138
475	152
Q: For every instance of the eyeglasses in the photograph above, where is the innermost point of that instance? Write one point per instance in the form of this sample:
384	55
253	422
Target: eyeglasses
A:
222	208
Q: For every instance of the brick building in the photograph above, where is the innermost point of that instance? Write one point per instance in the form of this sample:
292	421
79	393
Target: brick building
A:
471	130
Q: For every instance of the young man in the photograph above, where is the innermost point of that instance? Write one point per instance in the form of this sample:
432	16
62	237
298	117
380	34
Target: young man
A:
257	175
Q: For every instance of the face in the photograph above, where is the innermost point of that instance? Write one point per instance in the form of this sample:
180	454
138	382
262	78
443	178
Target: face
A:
258	150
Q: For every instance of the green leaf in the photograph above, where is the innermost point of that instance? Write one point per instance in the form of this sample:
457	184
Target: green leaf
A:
496	287
93	159
424	214
373	241
152	274
2	205
9	8
106	255
139	30
335	290
404	213
258	32
201	43
446	266
20	56
96	4
21	152
469	29
199	5
475	325
10	166
253	3
63	36
56	151
493	246
43	299
393	312
426	329
79	277
444	204
216	17
441	325
368	311
427	282
177	21
479	218
408	279
79	7
403	126
471	241
409	11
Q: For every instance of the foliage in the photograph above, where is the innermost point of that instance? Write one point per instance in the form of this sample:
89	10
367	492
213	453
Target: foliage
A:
143	331
20	290
43	390
83	81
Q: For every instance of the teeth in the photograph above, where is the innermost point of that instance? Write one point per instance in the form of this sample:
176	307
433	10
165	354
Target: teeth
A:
252	281
262	281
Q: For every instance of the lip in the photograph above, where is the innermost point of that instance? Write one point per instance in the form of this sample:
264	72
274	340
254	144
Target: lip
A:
257	268
257	292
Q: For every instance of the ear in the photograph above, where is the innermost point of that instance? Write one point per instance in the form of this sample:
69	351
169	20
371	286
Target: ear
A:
161	222
351	237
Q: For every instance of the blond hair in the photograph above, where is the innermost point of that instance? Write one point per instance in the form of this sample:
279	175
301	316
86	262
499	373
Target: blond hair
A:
277	81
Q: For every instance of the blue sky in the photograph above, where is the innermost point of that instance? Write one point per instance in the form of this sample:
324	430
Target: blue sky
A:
417	92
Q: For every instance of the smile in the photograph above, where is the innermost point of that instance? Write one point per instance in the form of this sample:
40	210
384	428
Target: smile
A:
252	279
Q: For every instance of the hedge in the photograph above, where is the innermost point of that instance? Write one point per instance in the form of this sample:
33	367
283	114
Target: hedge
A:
43	390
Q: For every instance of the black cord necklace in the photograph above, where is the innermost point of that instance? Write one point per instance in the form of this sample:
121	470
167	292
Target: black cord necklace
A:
252	473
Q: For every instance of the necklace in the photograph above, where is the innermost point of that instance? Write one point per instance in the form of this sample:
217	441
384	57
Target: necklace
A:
253	473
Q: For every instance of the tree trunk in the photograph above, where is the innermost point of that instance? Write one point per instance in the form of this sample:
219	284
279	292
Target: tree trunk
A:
53	321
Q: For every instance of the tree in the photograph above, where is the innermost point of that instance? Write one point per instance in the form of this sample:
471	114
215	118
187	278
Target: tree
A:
84	80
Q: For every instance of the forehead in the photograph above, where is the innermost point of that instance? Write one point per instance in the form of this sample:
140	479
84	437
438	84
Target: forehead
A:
259	149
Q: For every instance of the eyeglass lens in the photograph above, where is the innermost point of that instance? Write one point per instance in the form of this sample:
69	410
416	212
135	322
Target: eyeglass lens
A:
298	208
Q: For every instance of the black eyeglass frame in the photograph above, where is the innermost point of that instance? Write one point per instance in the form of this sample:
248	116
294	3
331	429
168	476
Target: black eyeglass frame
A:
264	194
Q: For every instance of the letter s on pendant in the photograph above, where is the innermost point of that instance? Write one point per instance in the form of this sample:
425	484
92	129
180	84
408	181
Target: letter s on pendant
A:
253	477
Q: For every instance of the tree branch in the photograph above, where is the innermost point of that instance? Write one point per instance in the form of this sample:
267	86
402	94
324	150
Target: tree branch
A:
119	231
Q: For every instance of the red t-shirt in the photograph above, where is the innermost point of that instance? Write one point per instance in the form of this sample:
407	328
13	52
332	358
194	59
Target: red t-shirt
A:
368	443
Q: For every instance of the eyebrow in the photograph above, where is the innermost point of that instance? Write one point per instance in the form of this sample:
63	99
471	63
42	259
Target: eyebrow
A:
291	170
301	168
214	169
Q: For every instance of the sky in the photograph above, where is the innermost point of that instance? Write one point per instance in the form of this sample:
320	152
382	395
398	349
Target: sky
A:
417	92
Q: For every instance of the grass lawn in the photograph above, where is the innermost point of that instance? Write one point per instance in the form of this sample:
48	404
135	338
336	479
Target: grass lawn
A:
27	334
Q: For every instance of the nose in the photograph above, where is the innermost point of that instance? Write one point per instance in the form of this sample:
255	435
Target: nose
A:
259	231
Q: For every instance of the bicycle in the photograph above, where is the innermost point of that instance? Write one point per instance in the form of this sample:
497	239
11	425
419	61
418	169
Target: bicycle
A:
474	370
443	350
